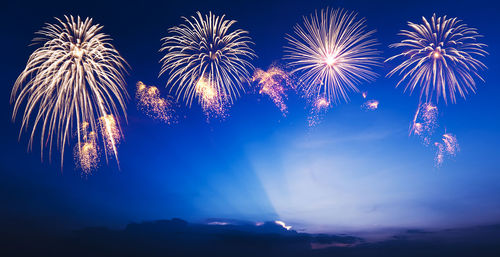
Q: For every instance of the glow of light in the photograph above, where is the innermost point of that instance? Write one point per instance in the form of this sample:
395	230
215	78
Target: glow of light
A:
281	223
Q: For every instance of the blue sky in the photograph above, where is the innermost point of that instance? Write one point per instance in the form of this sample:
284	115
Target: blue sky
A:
356	171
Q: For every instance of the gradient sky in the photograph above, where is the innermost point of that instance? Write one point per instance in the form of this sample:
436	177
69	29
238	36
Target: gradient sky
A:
356	171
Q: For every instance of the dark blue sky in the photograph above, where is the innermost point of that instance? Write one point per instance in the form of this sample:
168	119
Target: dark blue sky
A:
356	171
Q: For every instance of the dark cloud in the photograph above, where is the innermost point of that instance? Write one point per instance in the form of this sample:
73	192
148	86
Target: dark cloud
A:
177	237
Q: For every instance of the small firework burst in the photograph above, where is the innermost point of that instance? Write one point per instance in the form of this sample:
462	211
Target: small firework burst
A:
439	158
447	147
111	134
370	105
450	144
273	83
425	122
86	152
440	57
319	107
213	106
154	106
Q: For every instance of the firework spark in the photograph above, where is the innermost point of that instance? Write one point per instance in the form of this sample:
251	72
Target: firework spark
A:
364	94
154	106
447	147
111	134
319	108
370	105
207	60
425	122
333	53
451	144
86	152
272	83
74	77
439	57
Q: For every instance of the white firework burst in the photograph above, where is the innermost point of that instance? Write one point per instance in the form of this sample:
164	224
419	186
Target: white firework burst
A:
333	53
206	51
439	56
74	77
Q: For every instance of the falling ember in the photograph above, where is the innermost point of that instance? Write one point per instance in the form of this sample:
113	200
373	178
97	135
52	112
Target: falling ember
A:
281	223
450	144
364	94
110	133
438	160
86	152
448	147
370	105
154	106
212	103
319	108
271	83
425	122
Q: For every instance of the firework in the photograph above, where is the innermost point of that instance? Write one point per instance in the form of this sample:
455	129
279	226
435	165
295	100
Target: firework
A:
86	152
207	60
74	77
272	83
364	94
111	134
451	144
210	101
319	107
154	106
370	105
333	53
439	57
447	147
439	158
425	122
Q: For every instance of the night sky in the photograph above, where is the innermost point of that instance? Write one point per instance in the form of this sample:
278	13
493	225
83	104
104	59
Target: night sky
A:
357	171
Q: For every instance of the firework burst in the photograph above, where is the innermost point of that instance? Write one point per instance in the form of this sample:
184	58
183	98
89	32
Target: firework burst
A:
272	83
207	60
439	56
154	106
333	53
73	78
